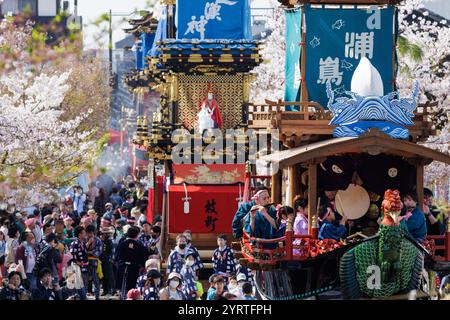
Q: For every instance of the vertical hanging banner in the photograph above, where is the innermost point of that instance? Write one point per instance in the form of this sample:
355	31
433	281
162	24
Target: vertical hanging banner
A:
336	40
293	52
213	19
147	42
161	33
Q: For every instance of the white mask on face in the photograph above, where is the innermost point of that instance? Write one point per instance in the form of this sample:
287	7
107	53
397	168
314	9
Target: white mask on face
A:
232	286
190	263
174	283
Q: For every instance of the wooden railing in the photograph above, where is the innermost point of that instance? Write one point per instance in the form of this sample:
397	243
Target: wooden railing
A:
446	247
312	118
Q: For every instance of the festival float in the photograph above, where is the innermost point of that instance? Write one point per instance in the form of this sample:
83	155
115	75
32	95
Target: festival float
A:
342	128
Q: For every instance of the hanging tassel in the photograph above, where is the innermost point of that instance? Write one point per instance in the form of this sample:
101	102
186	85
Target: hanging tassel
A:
186	200
240	199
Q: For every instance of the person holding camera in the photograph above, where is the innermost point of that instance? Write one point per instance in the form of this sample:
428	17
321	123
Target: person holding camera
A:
13	289
47	289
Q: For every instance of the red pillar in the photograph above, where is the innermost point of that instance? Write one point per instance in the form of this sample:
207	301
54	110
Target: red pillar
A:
288	246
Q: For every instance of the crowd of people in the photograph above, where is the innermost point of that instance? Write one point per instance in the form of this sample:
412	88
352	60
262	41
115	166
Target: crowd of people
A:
100	243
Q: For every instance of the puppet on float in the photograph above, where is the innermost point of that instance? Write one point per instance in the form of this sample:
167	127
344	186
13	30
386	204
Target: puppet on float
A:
209	116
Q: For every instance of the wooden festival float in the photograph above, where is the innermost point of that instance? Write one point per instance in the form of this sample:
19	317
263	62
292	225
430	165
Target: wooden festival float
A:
205	62
334	138
338	126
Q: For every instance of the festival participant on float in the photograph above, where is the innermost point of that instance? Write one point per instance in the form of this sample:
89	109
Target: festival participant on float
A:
333	224
414	218
432	215
301	219
261	197
259	220
223	257
284	214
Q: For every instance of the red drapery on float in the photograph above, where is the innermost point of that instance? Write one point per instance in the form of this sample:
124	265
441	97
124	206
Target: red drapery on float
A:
151	204
211	208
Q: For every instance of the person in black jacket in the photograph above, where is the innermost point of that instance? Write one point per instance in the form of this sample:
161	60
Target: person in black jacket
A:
431	213
131	256
48	257
106	259
46	290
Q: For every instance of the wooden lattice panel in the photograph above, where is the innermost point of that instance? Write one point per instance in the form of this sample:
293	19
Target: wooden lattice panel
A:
192	89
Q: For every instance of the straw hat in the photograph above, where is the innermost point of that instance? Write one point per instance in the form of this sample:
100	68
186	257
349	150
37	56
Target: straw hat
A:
353	202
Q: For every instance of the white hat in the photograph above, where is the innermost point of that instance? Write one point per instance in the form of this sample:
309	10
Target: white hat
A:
241	277
151	261
174	275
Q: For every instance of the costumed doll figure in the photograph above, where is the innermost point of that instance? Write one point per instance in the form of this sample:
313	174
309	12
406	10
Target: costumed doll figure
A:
392	251
209	116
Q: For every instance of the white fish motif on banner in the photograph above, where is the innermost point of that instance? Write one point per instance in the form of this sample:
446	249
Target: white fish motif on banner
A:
315	42
346	65
338	24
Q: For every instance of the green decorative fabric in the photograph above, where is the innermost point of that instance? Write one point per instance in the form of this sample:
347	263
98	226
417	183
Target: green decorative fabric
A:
396	257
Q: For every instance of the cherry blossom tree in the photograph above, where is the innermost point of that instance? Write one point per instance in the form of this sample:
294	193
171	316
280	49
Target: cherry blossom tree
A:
39	151
432	70
269	83
47	96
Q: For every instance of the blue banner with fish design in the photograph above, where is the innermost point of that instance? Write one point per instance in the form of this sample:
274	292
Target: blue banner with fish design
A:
336	40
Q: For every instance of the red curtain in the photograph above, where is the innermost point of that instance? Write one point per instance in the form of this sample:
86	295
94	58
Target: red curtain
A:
212	208
159	190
